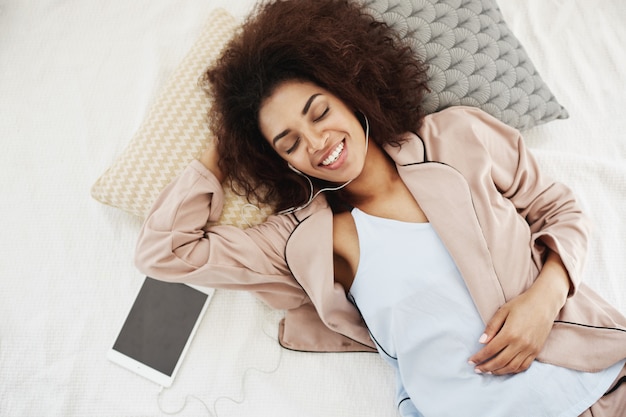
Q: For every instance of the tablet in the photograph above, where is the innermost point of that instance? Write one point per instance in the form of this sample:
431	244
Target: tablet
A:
159	328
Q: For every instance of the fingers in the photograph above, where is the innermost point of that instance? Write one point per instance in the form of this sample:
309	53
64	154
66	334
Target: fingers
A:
514	336
494	326
505	354
506	362
491	330
506	350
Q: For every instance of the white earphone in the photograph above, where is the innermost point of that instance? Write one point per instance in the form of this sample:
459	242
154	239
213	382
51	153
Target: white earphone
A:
291	167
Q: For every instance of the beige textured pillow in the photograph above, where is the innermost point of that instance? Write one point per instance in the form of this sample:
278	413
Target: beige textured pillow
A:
174	133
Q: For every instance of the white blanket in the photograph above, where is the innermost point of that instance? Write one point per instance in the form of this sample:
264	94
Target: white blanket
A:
76	79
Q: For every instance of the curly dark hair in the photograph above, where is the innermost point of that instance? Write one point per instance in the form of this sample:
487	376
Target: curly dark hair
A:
334	44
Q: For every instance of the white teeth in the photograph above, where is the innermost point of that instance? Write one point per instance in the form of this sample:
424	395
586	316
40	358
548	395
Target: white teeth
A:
333	156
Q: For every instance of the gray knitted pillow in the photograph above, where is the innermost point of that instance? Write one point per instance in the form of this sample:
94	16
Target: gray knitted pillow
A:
474	59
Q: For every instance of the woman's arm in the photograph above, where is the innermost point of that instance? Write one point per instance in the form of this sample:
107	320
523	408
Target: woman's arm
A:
559	234
517	332
556	222
209	159
175	243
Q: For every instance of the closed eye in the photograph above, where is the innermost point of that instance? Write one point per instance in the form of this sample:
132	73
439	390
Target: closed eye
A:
294	146
324	113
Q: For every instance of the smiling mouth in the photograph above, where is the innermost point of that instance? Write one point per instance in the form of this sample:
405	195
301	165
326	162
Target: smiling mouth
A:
334	154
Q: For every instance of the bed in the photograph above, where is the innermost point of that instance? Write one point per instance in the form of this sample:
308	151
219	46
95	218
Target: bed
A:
77	81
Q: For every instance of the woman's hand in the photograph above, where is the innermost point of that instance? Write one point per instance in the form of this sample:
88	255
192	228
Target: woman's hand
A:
210	158
517	332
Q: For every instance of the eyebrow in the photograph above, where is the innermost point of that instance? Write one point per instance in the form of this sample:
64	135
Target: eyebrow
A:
307	106
305	110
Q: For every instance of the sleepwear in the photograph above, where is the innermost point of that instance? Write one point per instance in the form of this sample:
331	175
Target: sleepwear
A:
425	324
483	193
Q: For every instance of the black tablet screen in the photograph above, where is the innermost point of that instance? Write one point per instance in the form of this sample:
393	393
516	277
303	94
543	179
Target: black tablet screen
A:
159	324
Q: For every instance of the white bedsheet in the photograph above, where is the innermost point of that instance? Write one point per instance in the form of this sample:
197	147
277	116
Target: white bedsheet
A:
76	79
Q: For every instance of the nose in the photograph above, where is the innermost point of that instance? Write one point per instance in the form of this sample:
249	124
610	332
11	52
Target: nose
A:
316	140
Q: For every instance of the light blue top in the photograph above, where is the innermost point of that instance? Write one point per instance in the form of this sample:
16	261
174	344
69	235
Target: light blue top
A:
425	324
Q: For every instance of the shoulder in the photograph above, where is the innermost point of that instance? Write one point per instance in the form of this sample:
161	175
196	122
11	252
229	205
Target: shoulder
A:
459	115
464	122
304	225
461	129
445	135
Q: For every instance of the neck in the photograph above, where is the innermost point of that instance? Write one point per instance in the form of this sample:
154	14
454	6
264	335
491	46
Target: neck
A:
378	178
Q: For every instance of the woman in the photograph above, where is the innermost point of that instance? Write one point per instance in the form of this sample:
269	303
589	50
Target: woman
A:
432	239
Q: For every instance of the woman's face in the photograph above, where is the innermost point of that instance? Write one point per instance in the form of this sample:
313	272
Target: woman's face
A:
314	131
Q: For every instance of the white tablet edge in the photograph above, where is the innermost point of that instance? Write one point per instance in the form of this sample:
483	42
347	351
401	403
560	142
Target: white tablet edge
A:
149	372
